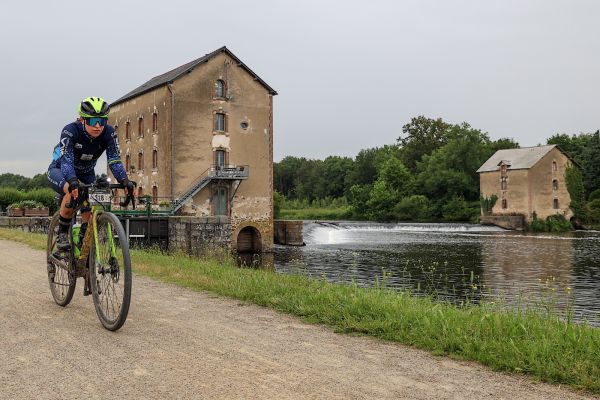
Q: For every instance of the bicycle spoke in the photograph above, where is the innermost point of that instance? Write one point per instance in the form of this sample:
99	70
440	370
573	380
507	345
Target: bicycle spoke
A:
112	273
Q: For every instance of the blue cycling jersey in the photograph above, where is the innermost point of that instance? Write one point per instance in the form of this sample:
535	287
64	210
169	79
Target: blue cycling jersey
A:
77	152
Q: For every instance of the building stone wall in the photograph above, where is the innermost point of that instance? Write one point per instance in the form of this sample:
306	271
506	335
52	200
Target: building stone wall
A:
247	140
543	194
27	224
289	232
197	236
144	106
513	222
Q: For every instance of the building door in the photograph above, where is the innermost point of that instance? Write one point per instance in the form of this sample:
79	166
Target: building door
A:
220	201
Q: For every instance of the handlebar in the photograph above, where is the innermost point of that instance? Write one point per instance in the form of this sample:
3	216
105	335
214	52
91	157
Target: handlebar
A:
129	199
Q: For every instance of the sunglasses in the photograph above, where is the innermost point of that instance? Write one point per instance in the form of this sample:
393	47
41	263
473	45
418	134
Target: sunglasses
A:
93	121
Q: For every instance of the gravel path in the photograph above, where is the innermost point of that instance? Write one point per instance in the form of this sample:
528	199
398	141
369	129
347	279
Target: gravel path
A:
182	344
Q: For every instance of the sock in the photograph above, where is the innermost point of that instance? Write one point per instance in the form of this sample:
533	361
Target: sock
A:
82	230
63	223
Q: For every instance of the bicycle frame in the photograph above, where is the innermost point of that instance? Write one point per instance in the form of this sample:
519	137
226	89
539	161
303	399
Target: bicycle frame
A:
93	230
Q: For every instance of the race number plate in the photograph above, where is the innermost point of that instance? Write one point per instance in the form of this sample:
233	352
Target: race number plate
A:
100	198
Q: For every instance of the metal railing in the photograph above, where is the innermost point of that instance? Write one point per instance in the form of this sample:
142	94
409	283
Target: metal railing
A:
229	171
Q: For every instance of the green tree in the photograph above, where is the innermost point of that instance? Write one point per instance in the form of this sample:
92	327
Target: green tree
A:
333	176
366	165
420	137
591	164
452	169
413	208
576	191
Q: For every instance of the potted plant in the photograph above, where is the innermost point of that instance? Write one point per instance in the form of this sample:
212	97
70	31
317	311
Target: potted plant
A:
15	210
33	208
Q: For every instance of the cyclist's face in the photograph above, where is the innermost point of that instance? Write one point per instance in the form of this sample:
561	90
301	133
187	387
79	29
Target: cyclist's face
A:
93	131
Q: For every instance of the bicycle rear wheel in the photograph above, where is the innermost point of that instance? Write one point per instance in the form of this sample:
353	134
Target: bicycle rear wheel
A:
61	279
110	272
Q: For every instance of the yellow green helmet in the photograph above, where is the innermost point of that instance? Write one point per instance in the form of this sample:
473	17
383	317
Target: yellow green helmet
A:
93	107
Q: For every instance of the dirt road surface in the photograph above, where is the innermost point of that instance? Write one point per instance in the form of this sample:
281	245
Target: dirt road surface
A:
182	344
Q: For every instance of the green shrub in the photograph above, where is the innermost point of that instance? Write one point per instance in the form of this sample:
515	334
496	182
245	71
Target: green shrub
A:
278	200
413	208
554	223
45	197
488	203
457	209
558	223
595	195
593	211
9	196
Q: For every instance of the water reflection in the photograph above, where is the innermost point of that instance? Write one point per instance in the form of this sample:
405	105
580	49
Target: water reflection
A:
453	261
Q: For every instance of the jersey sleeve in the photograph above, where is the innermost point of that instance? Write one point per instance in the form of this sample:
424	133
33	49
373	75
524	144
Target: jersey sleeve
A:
66	155
113	155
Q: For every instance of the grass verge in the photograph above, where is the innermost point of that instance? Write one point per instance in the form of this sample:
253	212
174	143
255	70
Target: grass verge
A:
541	345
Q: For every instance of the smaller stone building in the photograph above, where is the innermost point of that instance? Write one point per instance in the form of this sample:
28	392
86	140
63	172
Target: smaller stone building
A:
527	180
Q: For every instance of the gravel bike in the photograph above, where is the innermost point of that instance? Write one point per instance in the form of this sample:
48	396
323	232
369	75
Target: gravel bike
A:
102	258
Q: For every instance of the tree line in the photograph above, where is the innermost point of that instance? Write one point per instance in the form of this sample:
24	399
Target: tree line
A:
429	173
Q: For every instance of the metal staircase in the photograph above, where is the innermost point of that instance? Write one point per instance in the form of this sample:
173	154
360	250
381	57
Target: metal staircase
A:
235	173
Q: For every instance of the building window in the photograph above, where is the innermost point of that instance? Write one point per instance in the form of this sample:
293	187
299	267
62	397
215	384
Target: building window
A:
554	166
220	158
127	162
220	122
154	194
154	122
155	159
556	204
127	131
554	184
220	88
504	204
140	127
140	160
503	184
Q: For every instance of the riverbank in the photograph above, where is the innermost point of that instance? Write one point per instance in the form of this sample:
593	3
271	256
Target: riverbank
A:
525	341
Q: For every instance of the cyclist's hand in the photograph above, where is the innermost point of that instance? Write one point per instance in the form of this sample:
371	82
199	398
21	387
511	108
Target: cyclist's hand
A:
128	186
74	188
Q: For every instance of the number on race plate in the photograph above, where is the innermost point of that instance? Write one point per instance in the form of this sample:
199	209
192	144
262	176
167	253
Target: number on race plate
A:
100	198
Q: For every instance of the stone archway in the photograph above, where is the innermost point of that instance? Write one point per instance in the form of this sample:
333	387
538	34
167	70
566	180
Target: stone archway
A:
249	240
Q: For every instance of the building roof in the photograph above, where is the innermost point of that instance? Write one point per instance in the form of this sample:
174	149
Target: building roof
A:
522	158
170	76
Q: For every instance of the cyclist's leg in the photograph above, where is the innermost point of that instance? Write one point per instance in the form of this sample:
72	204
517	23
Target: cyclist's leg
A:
60	186
85	209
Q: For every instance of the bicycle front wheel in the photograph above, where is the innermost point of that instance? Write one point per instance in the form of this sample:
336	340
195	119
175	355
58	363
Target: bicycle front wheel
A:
61	278
110	272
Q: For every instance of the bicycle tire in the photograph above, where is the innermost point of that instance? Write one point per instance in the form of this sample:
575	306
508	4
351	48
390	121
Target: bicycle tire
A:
61	280
111	273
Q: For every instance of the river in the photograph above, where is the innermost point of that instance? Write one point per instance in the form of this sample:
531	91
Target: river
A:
456	262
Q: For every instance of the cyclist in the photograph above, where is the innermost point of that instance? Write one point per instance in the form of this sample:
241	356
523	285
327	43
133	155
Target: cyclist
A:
81	144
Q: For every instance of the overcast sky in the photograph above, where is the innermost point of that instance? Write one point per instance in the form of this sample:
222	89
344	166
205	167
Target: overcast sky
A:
349	73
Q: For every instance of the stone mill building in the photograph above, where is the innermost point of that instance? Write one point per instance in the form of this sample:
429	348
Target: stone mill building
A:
525	181
200	138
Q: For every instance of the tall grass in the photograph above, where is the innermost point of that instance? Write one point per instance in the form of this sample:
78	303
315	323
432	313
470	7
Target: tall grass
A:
523	340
